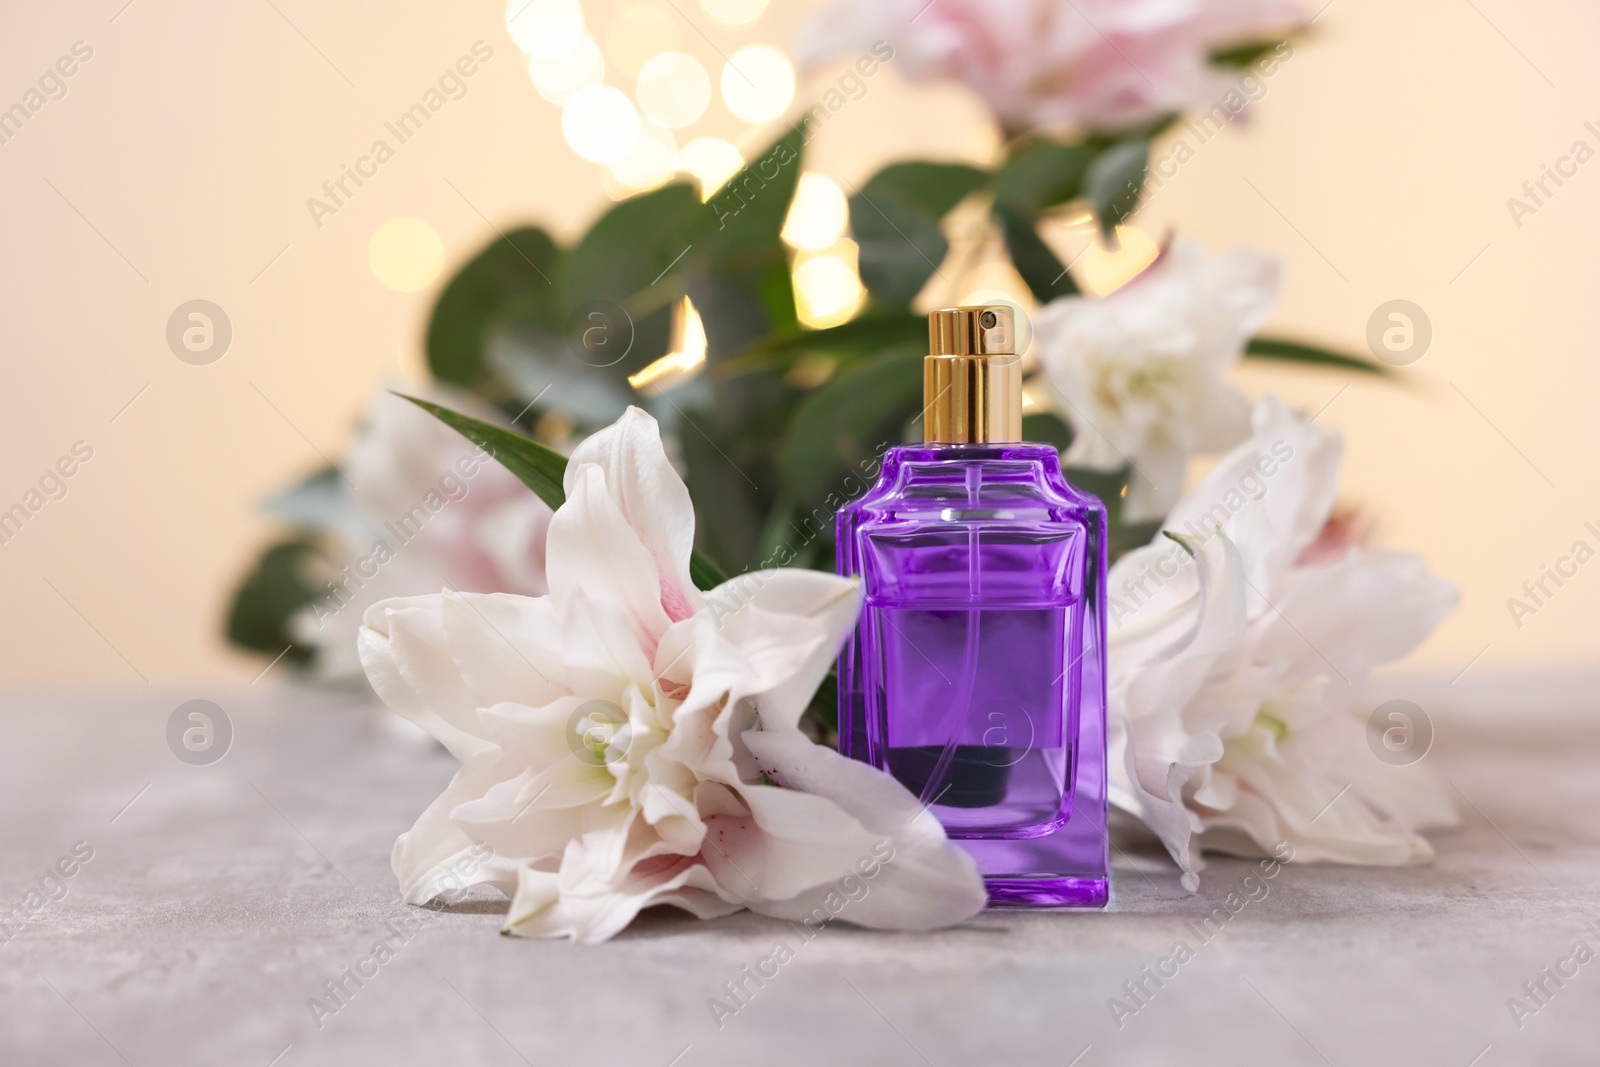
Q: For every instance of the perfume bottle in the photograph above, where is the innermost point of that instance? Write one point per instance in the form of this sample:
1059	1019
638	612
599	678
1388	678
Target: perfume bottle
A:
976	675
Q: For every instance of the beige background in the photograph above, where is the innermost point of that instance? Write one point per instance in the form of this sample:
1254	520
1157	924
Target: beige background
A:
179	163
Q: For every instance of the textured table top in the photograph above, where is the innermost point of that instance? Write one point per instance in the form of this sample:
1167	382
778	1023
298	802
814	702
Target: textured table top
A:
219	899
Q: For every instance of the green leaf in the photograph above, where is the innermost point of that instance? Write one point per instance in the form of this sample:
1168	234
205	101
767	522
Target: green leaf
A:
841	428
1296	352
537	362
898	247
1243	55
741	311
703	573
1046	428
1041	174
868	335
315	502
931	188
895	221
1124	537
1114	181
747	214
513	275
539	468
633	244
1047	276
727	513
283	581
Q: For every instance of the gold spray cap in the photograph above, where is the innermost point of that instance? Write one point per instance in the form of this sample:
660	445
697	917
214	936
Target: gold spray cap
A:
972	377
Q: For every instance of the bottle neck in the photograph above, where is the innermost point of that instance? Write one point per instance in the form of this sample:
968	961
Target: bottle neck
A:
972	399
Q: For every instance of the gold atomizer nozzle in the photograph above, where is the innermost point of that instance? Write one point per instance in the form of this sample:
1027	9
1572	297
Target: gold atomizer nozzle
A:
972	377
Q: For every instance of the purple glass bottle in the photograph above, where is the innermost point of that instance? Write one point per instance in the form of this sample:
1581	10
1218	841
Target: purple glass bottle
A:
976	675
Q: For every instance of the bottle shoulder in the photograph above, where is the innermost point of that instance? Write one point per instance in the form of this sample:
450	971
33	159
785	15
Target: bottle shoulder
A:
988	483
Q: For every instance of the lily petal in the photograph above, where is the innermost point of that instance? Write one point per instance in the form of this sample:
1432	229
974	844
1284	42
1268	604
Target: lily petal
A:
923	879
767	610
436	856
592	549
650	497
407	659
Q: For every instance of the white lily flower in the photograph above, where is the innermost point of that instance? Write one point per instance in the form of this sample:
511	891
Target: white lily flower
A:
627	740
418	507
1237	660
1138	374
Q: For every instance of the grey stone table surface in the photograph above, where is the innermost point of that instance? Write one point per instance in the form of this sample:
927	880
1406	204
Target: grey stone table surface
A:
219	899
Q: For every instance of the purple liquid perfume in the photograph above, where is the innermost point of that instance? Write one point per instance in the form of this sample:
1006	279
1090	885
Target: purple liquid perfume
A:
976	675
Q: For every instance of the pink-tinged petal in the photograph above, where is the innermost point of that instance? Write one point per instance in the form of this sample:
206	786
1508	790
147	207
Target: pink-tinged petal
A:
592	549
651	498
916	878
1044	65
448	509
407	659
1288	473
600	648
402	453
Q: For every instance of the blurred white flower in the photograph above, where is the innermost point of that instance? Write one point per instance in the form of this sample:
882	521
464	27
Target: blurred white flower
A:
1100	64
1139	373
419	508
1235	674
627	740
